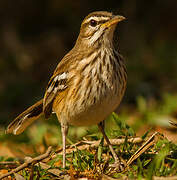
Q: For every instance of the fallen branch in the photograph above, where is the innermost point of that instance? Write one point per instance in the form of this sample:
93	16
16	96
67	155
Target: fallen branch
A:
29	162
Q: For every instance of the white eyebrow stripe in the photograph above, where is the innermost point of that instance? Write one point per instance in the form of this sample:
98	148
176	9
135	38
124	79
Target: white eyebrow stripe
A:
96	18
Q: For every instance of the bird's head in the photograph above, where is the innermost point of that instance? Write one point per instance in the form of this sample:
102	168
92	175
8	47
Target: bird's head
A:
98	27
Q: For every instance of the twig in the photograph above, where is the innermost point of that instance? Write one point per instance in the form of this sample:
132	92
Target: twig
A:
91	144
165	178
29	162
153	178
142	149
174	124
8	163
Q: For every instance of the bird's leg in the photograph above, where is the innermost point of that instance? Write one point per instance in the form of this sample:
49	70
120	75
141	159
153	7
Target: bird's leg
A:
101	127
117	161
64	131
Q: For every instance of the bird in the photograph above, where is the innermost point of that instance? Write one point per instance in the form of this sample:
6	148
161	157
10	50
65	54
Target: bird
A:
87	85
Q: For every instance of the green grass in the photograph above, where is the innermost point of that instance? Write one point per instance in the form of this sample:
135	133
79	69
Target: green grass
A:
159	160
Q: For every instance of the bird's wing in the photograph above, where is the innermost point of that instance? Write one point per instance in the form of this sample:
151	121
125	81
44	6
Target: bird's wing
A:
57	84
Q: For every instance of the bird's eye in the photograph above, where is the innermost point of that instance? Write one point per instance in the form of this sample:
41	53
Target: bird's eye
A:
93	23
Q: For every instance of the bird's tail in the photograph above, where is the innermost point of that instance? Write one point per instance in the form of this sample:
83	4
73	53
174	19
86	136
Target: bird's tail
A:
20	123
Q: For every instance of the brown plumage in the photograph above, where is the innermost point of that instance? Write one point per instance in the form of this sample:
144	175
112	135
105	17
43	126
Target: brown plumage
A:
89	82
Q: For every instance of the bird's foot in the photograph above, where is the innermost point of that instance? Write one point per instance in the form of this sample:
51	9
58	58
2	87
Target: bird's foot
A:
118	165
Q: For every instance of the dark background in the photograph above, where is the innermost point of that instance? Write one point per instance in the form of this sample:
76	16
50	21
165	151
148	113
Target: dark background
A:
36	34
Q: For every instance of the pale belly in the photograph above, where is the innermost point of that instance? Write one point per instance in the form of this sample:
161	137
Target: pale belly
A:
95	113
89	112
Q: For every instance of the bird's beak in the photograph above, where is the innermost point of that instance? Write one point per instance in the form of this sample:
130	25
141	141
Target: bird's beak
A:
113	21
